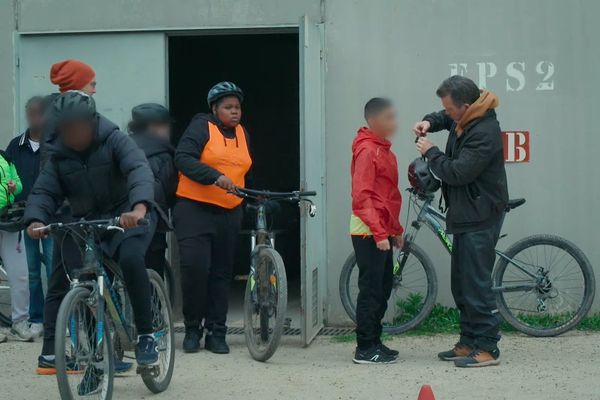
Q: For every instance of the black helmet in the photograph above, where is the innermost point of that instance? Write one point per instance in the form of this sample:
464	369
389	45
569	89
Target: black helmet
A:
150	112
73	105
223	89
421	178
12	218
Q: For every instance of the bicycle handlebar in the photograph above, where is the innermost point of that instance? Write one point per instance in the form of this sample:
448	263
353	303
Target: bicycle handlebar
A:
107	224
251	193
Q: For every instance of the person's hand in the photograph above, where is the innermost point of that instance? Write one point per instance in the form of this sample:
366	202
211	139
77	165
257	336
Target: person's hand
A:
130	219
398	241
423	145
384	245
421	128
36	234
11	186
225	183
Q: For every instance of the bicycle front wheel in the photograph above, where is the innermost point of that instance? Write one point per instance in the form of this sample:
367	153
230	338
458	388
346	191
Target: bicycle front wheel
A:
265	305
544	285
84	355
158	378
413	294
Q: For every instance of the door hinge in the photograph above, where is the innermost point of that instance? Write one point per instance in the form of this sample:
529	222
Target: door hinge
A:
18	62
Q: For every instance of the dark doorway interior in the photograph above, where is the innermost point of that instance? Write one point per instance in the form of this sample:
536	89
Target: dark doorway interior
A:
265	66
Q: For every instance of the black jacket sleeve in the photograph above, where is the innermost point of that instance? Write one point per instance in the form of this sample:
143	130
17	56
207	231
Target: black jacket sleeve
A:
187	156
439	121
133	164
476	153
165	179
46	195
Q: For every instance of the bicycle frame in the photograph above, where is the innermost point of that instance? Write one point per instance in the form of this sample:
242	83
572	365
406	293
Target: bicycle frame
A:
433	220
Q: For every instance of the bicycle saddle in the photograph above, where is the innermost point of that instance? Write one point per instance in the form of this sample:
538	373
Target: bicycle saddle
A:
514	203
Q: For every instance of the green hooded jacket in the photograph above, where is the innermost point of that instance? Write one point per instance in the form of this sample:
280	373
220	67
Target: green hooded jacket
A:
8	172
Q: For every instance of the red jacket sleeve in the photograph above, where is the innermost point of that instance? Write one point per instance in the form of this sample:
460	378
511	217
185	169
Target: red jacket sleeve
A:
363	193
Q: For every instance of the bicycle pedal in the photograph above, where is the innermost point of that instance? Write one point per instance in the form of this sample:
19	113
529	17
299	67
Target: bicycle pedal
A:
148	370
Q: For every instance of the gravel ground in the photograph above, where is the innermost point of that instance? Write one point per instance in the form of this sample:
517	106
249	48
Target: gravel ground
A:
556	368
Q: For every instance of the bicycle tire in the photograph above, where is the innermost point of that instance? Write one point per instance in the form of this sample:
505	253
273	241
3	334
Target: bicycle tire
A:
160	383
349	303
73	297
257	352
573	251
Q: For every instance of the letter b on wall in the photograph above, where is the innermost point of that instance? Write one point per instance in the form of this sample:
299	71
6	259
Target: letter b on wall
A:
516	146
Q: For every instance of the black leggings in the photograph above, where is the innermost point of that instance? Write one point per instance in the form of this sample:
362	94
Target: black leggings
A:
207	238
130	256
156	253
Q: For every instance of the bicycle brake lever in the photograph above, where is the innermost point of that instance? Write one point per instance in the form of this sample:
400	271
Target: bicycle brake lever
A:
115	228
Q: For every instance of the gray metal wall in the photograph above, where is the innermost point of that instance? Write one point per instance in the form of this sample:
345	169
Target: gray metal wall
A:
403	49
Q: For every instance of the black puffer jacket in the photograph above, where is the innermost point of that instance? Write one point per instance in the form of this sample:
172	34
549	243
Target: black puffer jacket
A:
160	153
472	172
111	177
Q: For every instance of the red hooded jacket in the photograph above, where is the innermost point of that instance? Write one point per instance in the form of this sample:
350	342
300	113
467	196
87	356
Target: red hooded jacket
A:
376	200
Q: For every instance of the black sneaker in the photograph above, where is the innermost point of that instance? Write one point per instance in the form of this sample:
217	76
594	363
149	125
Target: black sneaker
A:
375	355
48	367
388	351
191	341
479	358
216	344
146	350
458	351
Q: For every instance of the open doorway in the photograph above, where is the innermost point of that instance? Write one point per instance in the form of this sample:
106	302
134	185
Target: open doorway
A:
266	67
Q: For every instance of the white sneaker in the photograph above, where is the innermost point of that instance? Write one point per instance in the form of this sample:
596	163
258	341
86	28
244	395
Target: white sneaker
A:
36	329
20	331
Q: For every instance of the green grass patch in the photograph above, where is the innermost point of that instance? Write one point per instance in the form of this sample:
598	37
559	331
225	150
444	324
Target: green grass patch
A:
446	320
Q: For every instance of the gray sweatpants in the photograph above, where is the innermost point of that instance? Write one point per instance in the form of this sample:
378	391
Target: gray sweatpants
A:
15	263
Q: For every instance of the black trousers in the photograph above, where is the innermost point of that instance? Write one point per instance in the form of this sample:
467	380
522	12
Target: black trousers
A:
473	260
207	237
156	253
375	287
130	255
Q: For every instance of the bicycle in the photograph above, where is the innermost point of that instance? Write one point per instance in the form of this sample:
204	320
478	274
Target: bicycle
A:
97	320
265	300
530	291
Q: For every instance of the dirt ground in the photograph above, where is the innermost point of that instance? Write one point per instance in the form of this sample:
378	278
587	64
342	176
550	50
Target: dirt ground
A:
557	368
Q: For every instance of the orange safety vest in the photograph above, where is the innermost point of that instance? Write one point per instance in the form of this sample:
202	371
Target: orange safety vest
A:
228	156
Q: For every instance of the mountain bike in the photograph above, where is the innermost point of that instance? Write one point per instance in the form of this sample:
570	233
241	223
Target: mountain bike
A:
544	284
95	321
265	301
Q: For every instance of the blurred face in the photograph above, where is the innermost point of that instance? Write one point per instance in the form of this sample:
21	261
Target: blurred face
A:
159	129
90	88
34	114
384	123
455	112
229	111
77	135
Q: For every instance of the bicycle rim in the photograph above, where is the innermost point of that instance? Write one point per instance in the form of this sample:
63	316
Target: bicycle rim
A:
265	305
158	379
83	370
559	280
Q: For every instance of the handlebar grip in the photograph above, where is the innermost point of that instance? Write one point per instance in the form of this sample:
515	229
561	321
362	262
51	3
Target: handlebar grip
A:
309	193
143	222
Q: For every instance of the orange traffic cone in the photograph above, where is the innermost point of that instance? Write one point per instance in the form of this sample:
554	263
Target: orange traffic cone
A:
426	393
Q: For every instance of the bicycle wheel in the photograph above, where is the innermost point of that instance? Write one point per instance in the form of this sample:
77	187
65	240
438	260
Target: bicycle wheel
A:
414	290
158	379
545	287
265	305
83	370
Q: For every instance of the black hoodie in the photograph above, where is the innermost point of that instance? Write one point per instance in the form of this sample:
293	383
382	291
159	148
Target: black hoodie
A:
110	178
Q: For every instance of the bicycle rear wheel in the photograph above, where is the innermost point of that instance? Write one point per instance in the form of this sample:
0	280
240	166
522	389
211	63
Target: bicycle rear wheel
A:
414	290
265	305
83	370
158	378
544	286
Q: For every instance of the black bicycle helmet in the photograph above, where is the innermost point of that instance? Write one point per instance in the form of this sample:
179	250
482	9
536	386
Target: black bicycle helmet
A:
150	112
11	218
73	105
421	178
223	89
